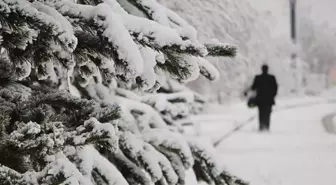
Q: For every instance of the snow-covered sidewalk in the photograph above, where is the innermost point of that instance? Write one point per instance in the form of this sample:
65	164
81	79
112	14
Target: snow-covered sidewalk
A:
297	151
230	116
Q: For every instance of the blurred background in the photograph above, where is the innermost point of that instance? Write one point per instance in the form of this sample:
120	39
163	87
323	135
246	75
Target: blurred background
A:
296	38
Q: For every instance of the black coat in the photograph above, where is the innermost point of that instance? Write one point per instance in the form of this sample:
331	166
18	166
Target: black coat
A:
266	88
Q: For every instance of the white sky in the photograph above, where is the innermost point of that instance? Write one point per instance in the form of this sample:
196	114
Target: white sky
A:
319	10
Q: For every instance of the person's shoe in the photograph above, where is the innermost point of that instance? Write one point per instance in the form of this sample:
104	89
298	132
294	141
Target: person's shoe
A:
264	130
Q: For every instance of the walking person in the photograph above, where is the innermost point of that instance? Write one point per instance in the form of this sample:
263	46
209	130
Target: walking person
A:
265	87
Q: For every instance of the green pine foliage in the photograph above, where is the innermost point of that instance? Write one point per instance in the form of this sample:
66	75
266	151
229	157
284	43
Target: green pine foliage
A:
91	93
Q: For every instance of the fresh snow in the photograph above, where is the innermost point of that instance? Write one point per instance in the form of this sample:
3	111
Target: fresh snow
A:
297	151
168	18
92	159
170	141
64	23
206	67
149	57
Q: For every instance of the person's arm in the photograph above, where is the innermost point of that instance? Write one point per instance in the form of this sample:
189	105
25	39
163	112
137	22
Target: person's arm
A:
252	87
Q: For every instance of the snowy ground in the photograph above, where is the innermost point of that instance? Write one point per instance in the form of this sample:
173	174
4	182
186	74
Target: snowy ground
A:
298	151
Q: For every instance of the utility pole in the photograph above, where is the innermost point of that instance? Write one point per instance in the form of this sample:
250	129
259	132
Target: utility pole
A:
294	56
293	20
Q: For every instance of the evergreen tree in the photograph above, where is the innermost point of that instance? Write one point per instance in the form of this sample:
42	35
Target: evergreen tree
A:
86	94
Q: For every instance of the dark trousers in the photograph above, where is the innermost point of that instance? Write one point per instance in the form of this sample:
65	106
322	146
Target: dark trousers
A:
264	117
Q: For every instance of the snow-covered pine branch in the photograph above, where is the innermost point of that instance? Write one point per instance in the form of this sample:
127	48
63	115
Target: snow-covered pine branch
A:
208	167
80	96
216	48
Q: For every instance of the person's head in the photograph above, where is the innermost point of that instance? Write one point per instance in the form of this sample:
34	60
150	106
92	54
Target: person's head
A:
264	69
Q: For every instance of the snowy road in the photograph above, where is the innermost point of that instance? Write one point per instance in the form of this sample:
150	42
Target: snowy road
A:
298	151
